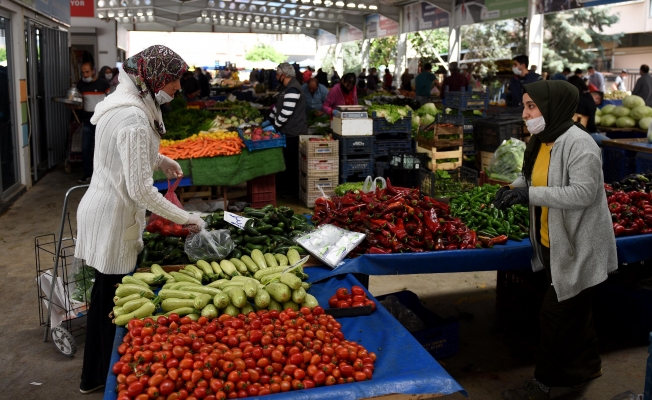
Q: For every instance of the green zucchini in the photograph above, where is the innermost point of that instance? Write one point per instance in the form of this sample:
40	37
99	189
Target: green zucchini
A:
142	312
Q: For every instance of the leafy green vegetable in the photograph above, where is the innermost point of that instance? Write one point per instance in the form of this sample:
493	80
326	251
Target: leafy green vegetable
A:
507	162
83	280
340	190
181	123
391	113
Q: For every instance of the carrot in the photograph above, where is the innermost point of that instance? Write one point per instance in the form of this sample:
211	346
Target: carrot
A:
203	147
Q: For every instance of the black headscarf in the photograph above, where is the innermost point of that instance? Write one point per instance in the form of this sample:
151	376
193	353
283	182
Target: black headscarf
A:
557	101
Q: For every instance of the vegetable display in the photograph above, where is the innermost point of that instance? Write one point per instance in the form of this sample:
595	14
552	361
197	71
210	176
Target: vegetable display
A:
162	249
181	122
241	110
507	161
631	212
492	225
391	113
395	220
356	297
203	144
633	113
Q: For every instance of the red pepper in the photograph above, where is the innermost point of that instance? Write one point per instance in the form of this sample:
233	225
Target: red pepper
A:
400	232
413	249
389	217
378	250
485	241
452	247
430	218
415	242
380	222
397	246
439	245
410	211
383	240
350	210
393	207
502	239
366	198
428	238
371	225
618	229
410	227
615	207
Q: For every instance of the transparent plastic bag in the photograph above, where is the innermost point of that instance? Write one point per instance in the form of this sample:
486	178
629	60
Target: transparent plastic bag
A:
209	246
404	315
171	196
330	244
507	161
370	184
628	395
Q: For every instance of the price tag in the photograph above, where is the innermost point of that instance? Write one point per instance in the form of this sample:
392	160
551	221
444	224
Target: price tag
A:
236	220
232	98
367	102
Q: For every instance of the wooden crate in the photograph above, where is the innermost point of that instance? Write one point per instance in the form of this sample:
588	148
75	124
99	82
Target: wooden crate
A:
439	132
319	166
485	159
320	149
439	154
311	183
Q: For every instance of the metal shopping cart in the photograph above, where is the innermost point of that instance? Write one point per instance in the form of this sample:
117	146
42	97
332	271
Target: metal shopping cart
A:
64	287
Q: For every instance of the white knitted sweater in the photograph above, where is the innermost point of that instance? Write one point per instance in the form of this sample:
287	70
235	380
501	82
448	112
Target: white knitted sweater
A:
111	215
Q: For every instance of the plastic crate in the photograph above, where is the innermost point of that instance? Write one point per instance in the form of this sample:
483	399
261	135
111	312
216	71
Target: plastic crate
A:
498	112
461	180
616	164
261	191
467	100
355	145
384	147
643	163
311	183
262	144
489	134
459	119
441	337
403	125
356	170
319	166
381	167
318	149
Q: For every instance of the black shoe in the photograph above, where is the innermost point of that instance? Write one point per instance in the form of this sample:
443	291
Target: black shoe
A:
89	387
530	391
594	375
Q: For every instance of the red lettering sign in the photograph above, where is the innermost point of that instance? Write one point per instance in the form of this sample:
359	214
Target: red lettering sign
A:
82	8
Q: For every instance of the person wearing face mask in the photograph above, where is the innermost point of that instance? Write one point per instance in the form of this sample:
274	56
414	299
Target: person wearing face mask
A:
106	73
342	94
289	118
111	215
571	235
93	91
522	76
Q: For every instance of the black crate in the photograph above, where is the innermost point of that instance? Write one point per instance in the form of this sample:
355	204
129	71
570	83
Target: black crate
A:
459	119
401	160
381	126
462	179
355	170
498	112
441	337
489	134
467	100
381	167
385	146
355	145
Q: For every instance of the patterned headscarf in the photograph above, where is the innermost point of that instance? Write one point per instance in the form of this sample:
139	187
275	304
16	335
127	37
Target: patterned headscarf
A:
152	69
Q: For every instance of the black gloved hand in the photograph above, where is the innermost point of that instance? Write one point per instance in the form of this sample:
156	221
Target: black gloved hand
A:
518	195
500	193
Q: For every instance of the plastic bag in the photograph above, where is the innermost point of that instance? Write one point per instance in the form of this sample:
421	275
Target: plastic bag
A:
507	161
404	315
628	395
174	229
209	246
330	244
370	185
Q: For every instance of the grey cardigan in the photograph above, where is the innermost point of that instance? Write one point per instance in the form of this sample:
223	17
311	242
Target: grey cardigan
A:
582	242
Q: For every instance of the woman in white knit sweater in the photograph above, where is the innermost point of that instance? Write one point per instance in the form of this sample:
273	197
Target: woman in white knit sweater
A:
111	216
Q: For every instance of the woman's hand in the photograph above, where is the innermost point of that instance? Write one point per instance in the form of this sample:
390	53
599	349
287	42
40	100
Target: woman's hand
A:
195	223
170	168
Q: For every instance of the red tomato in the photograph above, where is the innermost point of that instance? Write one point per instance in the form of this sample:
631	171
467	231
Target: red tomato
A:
332	302
166	230
135	388
317	311
342	294
358	298
343	304
357	304
177	230
357	290
370	303
151	228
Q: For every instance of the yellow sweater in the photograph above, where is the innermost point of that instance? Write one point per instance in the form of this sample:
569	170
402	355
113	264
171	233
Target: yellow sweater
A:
540	178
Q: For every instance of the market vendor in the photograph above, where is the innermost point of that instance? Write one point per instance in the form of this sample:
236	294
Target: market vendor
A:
289	118
111	215
571	235
315	94
342	94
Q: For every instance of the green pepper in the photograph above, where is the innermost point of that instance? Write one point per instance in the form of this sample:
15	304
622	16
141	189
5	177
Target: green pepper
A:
507	227
510	216
286	211
277	231
268	208
236	253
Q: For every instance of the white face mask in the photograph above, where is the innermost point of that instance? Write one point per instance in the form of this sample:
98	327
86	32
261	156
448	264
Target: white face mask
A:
516	71
536	125
162	97
108	76
89	79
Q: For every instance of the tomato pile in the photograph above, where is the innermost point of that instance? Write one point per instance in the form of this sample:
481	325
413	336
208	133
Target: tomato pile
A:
254	355
356	297
166	228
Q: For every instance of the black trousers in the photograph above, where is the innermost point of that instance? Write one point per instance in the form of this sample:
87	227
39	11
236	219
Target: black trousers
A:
287	182
568	353
100	331
88	148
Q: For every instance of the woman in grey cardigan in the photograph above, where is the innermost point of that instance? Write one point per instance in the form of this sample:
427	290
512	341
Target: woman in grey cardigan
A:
571	235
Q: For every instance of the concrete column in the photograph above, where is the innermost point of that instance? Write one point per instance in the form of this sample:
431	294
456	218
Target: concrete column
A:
364	53
454	37
339	54
535	36
401	50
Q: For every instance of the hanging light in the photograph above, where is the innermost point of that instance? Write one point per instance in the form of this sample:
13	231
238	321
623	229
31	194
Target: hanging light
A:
290	29
291	22
221	4
130	13
298	30
373	7
340	17
316	2
252	8
113	3
150	18
147	3
204	14
140	13
100	14
214	15
253	24
265	19
263	9
110	14
231	15
121	13
126	20
350	5
248	17
339	3
230	23
305	1
311	14
276	27
210	3
268	27
142	18
300	22
222	15
257	18
362	6
222	22
100	4
328	3
275	21
316	24
232	6
308	24
136	2
150	12
245	24
199	20
283	22
239	17
238	23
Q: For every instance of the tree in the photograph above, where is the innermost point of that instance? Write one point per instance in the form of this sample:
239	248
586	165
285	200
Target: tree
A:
264	52
425	43
350	54
383	51
3	54
572	37
489	42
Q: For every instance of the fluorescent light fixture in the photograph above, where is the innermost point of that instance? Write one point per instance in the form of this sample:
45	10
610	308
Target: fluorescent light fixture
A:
350	5
150	12
130	13
339	3
147	2
316	24
221	4
308	24
238	23
265	19
121	13
248	17
290	29
297	30
113	3
100	4
276	27
373	7
140	13
231	15
362	6
230	23
311	14
204	14
126	20
136	2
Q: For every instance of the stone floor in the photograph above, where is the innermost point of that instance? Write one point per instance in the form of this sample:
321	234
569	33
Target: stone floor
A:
494	353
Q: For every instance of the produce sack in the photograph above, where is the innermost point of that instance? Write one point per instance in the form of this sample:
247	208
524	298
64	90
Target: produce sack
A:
209	246
330	244
165	227
507	161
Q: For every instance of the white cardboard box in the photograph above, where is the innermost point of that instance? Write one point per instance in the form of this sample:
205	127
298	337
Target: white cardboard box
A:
352	126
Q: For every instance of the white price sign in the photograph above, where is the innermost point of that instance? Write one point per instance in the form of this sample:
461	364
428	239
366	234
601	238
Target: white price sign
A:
236	220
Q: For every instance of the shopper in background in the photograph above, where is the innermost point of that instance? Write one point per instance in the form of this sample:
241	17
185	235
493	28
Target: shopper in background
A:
335	77
424	83
342	94
643	87
253	76
521	77
388	79
372	81
93	91
406	80
362	78
586	106
297	73
111	215
464	71
562	76
315	95
204	85
455	82
289	118
189	86
307	74
105	73
322	77
571	235
234	75
596	79
619	84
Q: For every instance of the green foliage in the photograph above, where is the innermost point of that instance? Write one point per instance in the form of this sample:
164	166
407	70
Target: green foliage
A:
264	52
3	54
425	43
570	34
489	41
351	55
383	51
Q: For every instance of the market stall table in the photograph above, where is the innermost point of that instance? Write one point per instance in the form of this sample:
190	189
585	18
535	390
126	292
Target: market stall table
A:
639	145
403	366
622	133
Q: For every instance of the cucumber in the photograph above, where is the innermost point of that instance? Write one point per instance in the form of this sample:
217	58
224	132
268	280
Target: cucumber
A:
158	270
201	301
119	301
231	310
239	265
270	278
299	295
274	305
270	260
258	258
311	301
134	305
251	265
293	256
180	277
168	284
127	289
282	259
142	312
210	312
149	278
181	311
280	292
262	298
260	274
199	275
179	285
246	309
305	285
193	316
173	304
228	268
133	281
237	297
291	280
250	288
221	300
290	304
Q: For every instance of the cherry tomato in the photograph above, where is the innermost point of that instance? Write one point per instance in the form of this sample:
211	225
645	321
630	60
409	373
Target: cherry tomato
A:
332	302
343	304
135	388
342	294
